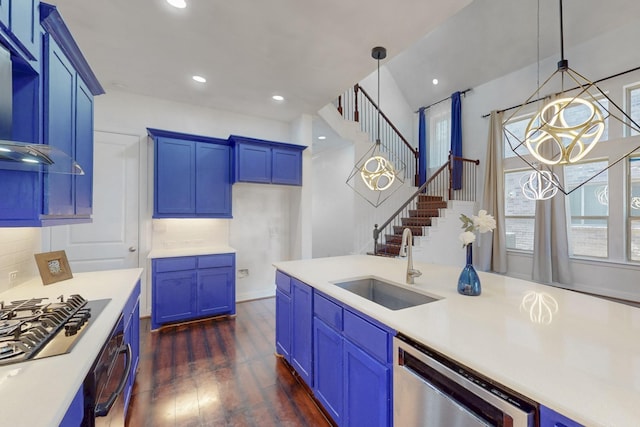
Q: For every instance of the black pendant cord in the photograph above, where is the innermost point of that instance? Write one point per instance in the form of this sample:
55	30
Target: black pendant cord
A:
378	131
563	64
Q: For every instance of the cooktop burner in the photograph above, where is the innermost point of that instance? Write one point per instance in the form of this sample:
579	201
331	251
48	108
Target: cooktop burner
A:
37	328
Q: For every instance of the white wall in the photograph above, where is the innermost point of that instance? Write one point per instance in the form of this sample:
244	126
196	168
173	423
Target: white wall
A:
261	228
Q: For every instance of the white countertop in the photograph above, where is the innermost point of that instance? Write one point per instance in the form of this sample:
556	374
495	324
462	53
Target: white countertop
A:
185	251
38	393
582	360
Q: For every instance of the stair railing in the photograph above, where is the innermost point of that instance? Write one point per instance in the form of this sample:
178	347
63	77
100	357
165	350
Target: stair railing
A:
356	105
440	184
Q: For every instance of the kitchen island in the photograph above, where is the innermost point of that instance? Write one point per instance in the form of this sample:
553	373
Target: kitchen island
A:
576	354
38	393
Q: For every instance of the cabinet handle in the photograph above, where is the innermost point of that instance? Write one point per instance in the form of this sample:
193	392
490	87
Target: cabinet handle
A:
132	248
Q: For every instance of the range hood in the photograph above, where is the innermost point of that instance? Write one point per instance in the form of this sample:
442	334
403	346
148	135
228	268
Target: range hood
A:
37	157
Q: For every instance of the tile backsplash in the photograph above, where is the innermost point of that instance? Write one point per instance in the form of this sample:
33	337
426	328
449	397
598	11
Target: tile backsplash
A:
184	233
17	246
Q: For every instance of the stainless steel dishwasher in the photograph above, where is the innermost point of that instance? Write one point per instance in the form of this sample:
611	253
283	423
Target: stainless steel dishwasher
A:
430	390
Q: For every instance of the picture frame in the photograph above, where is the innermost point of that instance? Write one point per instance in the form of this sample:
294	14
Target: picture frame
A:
53	267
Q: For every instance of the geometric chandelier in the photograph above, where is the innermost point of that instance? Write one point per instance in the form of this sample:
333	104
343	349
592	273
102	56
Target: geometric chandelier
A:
379	172
568	125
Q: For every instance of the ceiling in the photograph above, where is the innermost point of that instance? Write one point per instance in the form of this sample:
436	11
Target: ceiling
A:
310	51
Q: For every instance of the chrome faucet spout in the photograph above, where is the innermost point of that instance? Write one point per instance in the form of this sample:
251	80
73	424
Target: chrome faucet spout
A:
405	250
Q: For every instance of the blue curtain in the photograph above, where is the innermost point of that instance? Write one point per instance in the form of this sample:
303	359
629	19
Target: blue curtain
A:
456	139
422	148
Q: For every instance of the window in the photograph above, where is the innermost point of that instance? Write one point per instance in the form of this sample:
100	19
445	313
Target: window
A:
588	208
634	208
519	212
633	107
514	135
439	117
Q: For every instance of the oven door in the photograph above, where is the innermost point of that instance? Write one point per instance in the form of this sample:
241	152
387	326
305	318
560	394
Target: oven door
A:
105	406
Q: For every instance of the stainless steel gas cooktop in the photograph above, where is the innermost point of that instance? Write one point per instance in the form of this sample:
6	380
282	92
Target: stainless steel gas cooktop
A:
36	328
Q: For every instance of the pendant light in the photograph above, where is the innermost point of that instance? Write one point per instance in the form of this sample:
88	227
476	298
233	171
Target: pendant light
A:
378	173
539	185
569	124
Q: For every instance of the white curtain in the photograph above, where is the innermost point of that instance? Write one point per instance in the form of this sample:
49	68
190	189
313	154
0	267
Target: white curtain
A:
493	246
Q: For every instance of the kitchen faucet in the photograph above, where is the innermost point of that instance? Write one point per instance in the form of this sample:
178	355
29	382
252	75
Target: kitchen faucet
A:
406	245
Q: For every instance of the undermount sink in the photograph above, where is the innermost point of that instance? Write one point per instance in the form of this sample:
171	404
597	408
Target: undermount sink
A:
386	294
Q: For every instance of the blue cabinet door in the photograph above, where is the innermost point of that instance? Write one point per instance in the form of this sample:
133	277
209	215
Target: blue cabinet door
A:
215	291
302	330
283	324
367	389
132	338
328	385
174	297
286	166
174	177
213	180
59	124
550	418
84	149
253	163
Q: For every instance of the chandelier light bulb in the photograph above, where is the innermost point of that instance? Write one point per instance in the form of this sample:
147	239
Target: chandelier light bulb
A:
558	140
539	185
377	173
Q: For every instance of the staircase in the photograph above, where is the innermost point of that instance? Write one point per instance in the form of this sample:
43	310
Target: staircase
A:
427	208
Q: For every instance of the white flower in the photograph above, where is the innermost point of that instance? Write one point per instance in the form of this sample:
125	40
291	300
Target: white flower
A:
467	237
484	222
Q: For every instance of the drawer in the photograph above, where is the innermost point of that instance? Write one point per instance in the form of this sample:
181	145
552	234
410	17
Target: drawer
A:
368	336
221	260
174	264
328	311
283	282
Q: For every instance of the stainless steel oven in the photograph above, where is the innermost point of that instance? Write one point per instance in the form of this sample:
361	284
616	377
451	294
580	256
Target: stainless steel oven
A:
431	390
105	383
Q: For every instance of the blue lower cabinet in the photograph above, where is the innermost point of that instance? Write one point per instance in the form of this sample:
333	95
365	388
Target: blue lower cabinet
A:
367	389
352	364
283	324
302	330
174	297
186	288
550	418
75	412
214	293
328	384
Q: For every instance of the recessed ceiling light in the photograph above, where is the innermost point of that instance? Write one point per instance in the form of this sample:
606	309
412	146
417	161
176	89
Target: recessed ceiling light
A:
278	97
434	81
199	79
322	137
180	4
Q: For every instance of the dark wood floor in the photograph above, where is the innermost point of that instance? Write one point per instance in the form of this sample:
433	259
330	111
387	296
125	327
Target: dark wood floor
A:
219	372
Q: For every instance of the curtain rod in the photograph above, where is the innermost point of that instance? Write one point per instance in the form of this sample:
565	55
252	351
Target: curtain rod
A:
568	90
462	92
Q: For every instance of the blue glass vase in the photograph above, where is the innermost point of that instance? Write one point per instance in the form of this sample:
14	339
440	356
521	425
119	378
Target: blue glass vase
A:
469	282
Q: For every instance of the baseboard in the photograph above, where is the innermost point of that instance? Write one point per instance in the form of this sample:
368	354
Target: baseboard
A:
247	296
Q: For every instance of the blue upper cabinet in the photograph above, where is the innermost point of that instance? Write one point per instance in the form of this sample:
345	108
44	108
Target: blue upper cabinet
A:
20	28
267	162
192	176
53	105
